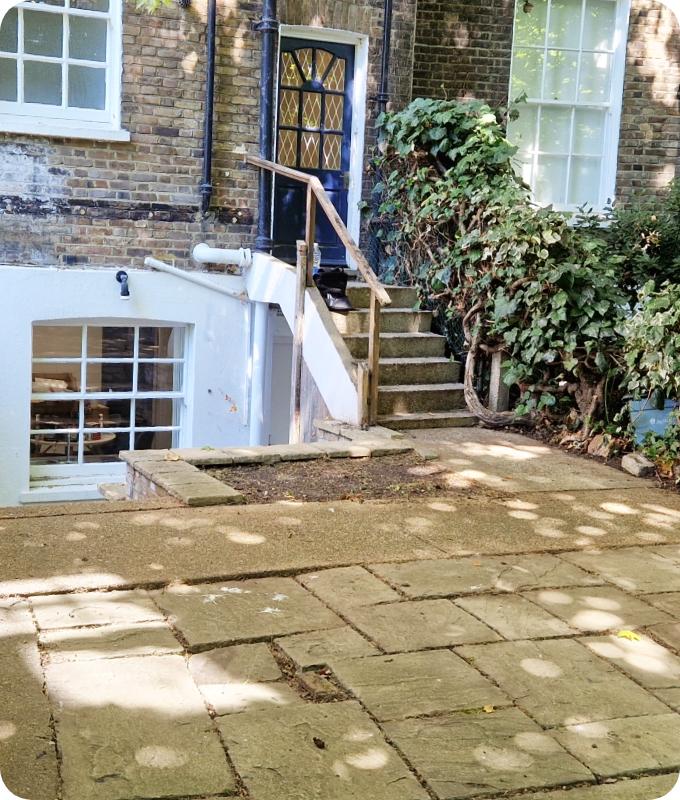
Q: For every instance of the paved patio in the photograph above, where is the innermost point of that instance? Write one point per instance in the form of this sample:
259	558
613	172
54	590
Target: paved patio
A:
516	637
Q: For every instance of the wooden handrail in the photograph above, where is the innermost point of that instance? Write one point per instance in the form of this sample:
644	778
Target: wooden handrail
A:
305	261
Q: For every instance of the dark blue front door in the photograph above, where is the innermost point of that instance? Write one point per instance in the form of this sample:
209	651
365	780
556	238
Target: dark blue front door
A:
313	135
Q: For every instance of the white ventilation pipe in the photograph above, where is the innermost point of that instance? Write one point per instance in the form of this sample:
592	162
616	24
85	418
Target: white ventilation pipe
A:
204	254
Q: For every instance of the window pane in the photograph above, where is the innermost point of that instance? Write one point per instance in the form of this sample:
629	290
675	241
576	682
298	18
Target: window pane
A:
8	79
107	413
57	341
335	80
555	130
86	87
154	440
109	377
8	32
551	178
530	27
54	448
311	110
159	377
43	33
335	109
588	132
288	148
54	414
527	72
595	72
104	447
42	82
522	131
55	378
584	182
309	150
155	413
110	342
560	76
87	38
288	107
304	58
90	5
160	342
565	23
598	33
332	152
290	75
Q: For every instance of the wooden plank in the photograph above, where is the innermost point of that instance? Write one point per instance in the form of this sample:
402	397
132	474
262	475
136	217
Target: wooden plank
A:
310	232
373	358
295	436
287	172
362	393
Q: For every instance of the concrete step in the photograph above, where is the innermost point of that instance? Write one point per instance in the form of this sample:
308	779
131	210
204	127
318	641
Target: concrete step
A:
404	297
418	370
392	320
404	399
399	345
432	419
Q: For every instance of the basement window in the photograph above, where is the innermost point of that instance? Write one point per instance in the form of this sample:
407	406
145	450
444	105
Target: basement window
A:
98	390
60	64
568	59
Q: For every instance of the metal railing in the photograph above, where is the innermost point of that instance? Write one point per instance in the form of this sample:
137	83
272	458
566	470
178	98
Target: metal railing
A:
368	373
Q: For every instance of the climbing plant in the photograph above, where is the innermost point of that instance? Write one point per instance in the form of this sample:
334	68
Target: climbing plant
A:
458	222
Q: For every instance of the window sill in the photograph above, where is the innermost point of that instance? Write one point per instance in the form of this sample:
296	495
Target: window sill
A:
56	129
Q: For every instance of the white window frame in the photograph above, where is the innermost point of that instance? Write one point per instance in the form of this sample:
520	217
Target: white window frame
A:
79	123
612	109
79	466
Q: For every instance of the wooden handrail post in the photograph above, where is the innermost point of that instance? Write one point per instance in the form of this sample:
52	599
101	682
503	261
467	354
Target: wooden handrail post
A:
310	233
373	358
295	435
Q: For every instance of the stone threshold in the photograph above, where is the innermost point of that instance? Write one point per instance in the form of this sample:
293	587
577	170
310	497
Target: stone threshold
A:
175	473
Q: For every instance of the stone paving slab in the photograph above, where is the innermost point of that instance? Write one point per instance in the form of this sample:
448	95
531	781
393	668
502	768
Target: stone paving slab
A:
625	746
226	613
647	662
443	577
560	682
514	617
635	569
668	634
242	663
667	601
419	625
16	621
326	751
109	641
320	647
630	789
235	698
410	684
348	587
602	608
472	755
94	608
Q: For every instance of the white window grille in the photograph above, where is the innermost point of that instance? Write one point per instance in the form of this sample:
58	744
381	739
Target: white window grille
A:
568	58
60	67
99	389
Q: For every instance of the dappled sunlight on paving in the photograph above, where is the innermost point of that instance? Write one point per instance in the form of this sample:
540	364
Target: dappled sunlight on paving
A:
643	655
541	668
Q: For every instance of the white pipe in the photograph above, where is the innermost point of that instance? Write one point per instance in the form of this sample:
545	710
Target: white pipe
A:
258	373
193	277
204	254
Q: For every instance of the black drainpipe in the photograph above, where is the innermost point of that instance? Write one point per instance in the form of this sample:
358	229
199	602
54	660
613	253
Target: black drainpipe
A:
383	94
269	27
206	187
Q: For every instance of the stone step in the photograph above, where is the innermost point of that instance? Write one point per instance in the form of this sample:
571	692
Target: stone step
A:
418	370
404	297
432	419
404	399
399	345
392	320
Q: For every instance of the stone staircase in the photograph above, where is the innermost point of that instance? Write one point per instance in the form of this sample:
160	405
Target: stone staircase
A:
419	386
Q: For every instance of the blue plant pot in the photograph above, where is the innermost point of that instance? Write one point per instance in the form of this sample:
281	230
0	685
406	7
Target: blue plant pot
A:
645	418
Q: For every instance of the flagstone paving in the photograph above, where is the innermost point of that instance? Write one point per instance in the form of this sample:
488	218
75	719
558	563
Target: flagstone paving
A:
522	645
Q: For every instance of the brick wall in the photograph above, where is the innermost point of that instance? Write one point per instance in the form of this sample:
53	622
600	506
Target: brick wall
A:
463	50
66	202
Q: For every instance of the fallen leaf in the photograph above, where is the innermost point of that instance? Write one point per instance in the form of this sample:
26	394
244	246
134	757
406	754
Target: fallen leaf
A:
488	709
172	457
630	635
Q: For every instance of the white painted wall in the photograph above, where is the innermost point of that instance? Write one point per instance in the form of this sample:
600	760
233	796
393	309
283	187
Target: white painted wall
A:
218	349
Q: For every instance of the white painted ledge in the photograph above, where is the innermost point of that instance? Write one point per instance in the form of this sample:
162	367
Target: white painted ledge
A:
33	127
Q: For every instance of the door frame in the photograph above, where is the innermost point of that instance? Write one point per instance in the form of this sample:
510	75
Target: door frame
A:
356	161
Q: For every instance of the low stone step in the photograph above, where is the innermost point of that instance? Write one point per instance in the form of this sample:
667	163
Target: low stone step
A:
418	370
404	297
402	399
399	345
432	419
392	320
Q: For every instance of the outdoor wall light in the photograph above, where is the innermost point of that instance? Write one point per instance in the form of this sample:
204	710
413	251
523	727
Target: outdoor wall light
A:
122	278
